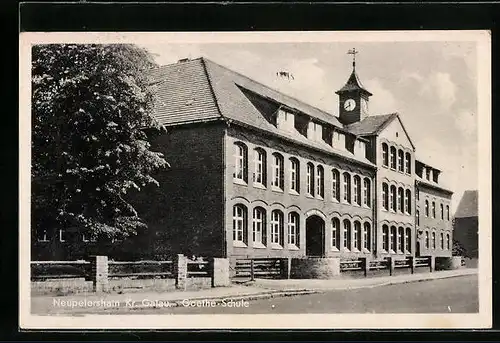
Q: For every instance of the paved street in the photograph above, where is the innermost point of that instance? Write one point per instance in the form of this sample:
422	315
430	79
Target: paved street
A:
452	295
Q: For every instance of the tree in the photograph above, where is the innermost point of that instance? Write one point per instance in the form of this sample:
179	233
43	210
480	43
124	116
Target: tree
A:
90	104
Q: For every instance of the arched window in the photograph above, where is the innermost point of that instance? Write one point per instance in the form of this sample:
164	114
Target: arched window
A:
259	174
336	233
433	240
293	228
426	207
357	190
367	192
385	196
347	187
394	238
408	201
259	226
393	198
393	157
385	238
320	181
294	175
401	239
401	199
441	240
366	236
442	211
277	227
408	163
433	209
240	162
278	179
239	224
385	154
448	241
408	240
357	235
447	212
310	179
427	239
418	217
336	185
347	235
401	158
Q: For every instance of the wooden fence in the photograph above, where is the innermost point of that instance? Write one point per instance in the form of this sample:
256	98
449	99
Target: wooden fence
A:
259	267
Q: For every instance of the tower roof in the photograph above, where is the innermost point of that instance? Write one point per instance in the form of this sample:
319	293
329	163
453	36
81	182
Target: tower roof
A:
353	84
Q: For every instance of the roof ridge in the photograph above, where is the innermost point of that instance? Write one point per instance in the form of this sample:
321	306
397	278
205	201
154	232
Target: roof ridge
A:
262	84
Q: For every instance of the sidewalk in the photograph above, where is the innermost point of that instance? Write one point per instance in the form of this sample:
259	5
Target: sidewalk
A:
79	304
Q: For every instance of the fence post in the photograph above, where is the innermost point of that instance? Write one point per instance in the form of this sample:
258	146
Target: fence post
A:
252	277
432	263
219	272
180	271
411	259
390	261
365	264
100	272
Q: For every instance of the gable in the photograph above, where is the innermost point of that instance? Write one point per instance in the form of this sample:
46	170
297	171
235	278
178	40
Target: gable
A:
394	131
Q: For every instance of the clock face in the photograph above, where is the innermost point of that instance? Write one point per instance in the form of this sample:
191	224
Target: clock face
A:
349	104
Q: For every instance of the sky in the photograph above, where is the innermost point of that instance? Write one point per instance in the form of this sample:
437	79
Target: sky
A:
432	85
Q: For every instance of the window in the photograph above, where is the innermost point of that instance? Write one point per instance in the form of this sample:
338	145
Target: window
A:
347	234
347	187
42	235
448	241
393	158
357	190
239	223
62	235
408	201
401	199
385	238
357	235
310	179
277	171
320	182
433	209
293	228
385	196
433	240
259	175
418	217
393	198
394	238
240	162
294	175
442	211
385	154
276	227
441	241
401	239
259	226
366	236
408	240
335	233
447	212
408	163
367	193
401	157
427	173
427	239
426	207
336	185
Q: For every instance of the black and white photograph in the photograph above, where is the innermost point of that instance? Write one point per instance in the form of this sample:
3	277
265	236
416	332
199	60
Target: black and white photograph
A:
255	180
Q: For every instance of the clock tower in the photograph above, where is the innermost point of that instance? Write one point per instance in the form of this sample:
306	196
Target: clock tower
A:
353	97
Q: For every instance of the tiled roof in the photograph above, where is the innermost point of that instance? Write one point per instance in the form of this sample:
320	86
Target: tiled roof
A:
468	205
352	84
204	90
441	186
371	124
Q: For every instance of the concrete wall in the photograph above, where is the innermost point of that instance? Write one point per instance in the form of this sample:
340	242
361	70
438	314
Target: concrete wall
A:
315	268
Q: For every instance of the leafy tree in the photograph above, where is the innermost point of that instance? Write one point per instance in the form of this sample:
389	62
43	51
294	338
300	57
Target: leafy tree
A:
90	104
458	249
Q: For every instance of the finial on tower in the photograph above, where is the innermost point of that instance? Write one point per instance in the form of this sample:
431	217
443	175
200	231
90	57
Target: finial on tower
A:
353	52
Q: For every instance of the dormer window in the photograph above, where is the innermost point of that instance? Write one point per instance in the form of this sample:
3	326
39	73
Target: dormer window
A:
427	174
360	149
315	132
286	121
338	140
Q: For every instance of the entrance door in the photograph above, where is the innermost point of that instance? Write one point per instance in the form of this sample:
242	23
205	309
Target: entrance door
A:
315	236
